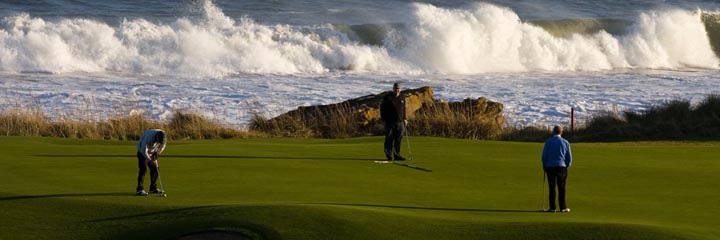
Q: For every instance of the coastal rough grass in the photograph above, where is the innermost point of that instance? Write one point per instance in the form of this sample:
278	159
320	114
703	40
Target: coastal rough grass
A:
336	121
452	121
672	120
33	122
436	119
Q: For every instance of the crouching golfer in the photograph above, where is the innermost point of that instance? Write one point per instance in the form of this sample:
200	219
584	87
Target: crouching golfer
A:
151	144
556	159
392	112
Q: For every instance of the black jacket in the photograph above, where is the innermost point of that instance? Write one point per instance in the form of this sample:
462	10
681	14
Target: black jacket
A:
392	109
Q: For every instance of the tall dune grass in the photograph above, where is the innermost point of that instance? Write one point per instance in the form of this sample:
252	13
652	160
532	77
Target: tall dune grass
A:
342	121
453	121
32	121
337	121
672	120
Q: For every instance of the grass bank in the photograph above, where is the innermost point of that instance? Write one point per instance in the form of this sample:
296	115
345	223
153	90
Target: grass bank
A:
331	189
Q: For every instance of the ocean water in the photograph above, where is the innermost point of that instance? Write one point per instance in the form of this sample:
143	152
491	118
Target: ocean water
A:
231	59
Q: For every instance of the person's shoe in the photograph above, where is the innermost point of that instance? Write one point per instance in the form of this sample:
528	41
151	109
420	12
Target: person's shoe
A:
399	158
141	193
549	210
157	191
565	210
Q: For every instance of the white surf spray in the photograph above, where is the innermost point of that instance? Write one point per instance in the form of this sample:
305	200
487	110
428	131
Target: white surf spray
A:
213	45
483	38
488	38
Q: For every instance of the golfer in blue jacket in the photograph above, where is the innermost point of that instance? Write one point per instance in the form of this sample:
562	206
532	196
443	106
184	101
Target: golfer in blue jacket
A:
556	159
151	144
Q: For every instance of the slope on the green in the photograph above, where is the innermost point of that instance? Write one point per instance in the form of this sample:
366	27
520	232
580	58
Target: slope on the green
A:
331	189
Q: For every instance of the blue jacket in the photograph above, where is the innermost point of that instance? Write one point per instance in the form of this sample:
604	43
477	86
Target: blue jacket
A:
147	145
556	152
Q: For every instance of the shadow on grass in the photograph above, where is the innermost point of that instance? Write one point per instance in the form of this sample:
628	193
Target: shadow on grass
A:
236	157
149	214
188	209
116	194
412	167
211	156
428	208
185	223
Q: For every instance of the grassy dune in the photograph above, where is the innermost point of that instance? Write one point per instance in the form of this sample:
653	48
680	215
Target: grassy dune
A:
330	189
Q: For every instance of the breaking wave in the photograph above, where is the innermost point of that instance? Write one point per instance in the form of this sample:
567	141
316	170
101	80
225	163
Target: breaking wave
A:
483	38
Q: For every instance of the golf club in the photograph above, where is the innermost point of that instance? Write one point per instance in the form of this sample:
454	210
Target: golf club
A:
542	208
163	194
162	188
408	143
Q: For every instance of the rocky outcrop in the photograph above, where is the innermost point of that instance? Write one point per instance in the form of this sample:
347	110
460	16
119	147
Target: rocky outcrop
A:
361	116
365	110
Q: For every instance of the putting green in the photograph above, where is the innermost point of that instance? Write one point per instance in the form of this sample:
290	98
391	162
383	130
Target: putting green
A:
331	189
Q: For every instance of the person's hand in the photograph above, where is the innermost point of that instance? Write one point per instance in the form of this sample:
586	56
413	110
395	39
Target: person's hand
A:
405	121
155	162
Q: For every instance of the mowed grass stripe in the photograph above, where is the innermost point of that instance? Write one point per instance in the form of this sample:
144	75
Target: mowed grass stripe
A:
314	188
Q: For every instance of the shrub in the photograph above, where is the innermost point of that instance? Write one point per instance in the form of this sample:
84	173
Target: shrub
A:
456	120
18	122
673	120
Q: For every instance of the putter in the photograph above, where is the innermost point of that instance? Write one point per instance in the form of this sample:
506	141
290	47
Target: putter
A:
408	143
163	194
410	155
542	208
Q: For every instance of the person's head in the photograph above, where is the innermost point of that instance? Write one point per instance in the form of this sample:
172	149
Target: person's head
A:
396	88
160	137
557	130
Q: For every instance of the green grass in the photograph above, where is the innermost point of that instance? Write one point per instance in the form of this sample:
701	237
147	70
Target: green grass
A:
330	189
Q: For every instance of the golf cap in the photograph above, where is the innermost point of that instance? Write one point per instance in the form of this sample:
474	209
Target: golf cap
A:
396	85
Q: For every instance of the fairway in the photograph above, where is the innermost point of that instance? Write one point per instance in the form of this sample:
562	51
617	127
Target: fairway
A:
331	189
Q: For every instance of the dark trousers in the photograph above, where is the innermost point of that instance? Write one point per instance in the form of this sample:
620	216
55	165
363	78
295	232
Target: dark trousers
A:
393	139
142	168
556	178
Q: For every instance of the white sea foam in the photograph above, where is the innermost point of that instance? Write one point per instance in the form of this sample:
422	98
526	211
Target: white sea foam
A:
489	38
211	46
484	38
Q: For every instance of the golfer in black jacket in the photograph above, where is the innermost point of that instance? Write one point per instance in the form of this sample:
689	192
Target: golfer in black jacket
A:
392	112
